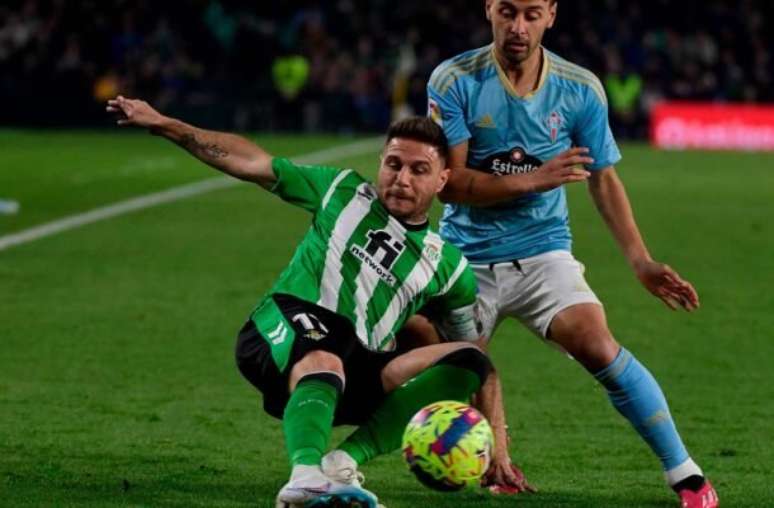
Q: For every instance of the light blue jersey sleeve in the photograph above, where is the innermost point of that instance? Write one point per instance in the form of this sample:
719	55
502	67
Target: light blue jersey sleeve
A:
593	131
447	109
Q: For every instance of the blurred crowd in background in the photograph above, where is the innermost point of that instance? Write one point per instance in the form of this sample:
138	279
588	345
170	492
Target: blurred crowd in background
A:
350	65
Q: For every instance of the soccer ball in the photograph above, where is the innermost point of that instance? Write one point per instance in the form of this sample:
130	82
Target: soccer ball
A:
448	445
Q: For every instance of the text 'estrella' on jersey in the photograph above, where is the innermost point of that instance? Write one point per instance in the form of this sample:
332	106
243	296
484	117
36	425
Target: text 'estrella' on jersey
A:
362	263
514	161
472	99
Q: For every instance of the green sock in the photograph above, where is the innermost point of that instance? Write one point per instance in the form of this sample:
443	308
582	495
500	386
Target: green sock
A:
308	421
383	431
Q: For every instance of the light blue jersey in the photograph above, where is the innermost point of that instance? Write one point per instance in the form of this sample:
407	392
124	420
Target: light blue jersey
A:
472	99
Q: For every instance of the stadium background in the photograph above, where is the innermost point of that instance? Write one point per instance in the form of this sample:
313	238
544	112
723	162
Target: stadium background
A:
117	384
345	65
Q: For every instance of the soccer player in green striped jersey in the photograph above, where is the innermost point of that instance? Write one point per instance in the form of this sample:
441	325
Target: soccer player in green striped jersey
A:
321	344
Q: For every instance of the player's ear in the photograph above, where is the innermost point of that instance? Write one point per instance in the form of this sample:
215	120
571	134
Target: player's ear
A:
487	5
443	177
552	8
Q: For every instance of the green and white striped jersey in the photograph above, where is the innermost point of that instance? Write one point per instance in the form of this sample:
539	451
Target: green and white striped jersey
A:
361	263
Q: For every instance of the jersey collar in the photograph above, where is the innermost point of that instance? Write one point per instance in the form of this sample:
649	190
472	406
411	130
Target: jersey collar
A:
414	227
507	82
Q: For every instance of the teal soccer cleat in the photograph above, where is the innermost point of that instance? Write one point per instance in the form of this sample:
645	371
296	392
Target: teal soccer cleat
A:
345	497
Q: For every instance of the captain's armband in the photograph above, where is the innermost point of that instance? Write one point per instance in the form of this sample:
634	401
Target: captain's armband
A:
459	324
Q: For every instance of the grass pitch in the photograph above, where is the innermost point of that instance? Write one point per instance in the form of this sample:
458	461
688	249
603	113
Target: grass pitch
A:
117	380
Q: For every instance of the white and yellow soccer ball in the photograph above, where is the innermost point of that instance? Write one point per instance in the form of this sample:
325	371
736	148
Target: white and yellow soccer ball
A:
448	445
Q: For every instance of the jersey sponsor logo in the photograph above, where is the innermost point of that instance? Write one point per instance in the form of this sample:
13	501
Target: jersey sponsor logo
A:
434	112
379	254
554	123
382	241
363	256
514	161
486	122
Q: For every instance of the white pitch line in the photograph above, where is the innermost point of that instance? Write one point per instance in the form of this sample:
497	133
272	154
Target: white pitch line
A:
173	194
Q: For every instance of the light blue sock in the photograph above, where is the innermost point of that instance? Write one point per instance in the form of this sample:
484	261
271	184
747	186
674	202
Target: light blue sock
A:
637	396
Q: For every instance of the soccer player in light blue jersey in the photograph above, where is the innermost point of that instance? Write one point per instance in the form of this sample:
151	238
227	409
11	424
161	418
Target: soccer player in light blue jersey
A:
521	122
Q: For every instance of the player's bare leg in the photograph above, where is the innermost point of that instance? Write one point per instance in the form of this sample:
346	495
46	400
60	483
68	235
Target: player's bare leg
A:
409	365
582	331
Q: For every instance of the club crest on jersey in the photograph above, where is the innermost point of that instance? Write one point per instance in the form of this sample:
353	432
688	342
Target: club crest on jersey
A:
379	254
432	252
554	123
434	112
514	161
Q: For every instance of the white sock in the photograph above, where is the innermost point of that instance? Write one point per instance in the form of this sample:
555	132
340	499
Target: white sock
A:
683	471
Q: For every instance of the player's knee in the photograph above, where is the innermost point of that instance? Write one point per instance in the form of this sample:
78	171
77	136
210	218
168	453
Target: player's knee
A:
316	362
470	358
319	361
392	376
594	348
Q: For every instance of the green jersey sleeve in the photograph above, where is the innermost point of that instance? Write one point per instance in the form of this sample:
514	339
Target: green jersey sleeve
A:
456	317
302	185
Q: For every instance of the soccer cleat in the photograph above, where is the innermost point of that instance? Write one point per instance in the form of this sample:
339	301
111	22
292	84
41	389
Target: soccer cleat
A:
705	497
344	497
339	466
306	483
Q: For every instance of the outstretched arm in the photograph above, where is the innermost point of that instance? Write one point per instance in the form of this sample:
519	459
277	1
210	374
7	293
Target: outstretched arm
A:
610	198
229	153
503	476
473	187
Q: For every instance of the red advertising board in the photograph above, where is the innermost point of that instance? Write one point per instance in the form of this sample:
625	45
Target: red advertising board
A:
693	125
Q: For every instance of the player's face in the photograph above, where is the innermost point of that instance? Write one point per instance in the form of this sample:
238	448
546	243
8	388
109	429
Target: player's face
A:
410	175
518	26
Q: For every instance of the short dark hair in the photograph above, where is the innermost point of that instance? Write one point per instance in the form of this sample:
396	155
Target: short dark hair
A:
422	129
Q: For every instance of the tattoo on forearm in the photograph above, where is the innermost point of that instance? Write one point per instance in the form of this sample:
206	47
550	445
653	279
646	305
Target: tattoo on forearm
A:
189	141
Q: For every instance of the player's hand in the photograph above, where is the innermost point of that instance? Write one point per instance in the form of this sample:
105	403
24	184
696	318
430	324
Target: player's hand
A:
567	167
666	284
504	477
133	112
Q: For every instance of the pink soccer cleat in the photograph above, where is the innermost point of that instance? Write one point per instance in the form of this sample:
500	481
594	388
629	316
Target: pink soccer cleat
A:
705	497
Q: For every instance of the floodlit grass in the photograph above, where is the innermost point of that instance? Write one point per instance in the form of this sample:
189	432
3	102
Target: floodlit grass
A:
117	380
